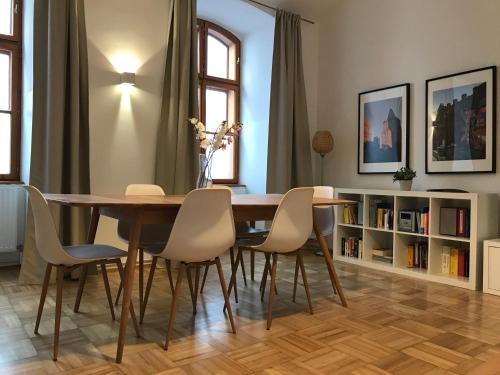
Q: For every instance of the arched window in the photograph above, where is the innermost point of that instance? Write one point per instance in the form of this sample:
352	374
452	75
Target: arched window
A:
10	88
219	95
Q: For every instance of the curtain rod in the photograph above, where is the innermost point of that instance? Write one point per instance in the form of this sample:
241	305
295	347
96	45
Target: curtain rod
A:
273	8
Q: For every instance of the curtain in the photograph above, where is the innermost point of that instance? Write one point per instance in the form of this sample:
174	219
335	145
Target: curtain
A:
176	153
60	130
289	150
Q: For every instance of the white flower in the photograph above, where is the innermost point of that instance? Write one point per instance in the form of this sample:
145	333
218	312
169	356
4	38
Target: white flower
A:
193	120
200	126
204	144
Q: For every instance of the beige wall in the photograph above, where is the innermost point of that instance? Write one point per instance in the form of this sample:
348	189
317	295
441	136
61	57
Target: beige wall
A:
123	127
369	44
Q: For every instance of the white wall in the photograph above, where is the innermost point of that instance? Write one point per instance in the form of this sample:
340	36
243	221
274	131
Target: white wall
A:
123	126
371	44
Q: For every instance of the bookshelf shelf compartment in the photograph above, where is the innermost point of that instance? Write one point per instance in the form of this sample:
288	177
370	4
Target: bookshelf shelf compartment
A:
483	224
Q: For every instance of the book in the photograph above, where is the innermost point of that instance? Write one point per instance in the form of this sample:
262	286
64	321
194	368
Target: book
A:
461	263
360	213
382	252
410	251
454	262
448	221
445	259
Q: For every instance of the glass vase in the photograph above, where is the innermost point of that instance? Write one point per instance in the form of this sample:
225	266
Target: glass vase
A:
204	180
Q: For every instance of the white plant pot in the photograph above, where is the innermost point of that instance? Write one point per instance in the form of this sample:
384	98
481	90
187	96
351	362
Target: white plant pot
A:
405	185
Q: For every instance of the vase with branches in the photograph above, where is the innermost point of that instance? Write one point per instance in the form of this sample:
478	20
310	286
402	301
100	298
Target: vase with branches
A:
210	143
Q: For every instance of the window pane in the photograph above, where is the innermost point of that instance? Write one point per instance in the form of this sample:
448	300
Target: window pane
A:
5	143
219	107
4	80
6	11
217	58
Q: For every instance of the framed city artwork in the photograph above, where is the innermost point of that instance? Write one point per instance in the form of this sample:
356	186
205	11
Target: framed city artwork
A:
461	122
383	129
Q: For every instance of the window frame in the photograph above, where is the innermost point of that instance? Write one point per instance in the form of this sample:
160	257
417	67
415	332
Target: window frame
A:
207	81
13	45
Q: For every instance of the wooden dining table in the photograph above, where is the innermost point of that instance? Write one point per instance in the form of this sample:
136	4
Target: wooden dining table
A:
138	210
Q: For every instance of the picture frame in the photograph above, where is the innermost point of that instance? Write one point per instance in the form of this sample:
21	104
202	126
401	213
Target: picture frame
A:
384	129
460	130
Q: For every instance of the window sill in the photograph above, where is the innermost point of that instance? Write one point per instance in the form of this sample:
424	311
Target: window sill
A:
9	182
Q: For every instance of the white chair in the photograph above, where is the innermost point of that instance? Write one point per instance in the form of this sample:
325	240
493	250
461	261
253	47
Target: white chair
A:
152	241
324	221
66	259
291	227
244	231
203	230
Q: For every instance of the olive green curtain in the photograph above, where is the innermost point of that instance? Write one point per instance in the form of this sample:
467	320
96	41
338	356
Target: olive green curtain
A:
289	150
176	154
60	124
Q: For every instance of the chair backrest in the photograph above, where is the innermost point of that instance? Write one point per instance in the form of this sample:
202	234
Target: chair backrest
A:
324	215
46	237
203	228
292	223
144	189
150	233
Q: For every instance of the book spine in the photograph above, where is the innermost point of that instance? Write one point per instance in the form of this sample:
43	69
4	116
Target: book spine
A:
454	262
461	263
409	256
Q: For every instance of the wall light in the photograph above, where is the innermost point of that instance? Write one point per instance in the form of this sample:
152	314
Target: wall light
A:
127	78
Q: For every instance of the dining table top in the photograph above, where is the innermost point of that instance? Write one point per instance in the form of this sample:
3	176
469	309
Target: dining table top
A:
161	201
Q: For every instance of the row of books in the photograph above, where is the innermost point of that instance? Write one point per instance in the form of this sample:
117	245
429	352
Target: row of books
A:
381	214
455	221
351	246
414	221
353	214
455	261
417	255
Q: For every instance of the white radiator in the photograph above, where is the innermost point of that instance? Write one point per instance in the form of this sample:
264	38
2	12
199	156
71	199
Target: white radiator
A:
12	220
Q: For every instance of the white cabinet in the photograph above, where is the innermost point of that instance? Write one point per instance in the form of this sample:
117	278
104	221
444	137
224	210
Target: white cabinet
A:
491	267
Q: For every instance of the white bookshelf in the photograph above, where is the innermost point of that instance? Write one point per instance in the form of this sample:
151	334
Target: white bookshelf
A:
483	226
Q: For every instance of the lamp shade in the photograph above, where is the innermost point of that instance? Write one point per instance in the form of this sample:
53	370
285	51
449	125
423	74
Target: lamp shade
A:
322	142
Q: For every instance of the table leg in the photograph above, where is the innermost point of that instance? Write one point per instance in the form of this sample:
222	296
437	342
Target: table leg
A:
135	226
94	221
329	264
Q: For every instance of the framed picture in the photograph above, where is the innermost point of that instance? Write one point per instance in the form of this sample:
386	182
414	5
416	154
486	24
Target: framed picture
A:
383	129
460	122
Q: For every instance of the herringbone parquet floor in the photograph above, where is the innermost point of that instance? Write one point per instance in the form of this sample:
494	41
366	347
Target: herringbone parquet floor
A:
393	325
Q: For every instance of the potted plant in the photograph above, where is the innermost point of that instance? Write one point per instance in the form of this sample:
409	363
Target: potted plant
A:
405	177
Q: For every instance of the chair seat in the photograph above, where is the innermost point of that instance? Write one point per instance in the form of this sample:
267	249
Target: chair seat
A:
92	252
243	230
253	241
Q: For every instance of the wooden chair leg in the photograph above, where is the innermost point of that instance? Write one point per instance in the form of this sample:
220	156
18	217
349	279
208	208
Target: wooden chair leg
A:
224	292
304	279
57	325
45	286
168	266
204	278
271	291
295	278
120	288
191	289
108	290
173	306
81	285
264	276
131	308
148	288
243	270
231	255
252	265
141	280
232	283
196	283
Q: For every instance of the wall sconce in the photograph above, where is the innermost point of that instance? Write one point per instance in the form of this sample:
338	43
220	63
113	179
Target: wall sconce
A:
127	78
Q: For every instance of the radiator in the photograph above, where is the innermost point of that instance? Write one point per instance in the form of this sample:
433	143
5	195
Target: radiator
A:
12	218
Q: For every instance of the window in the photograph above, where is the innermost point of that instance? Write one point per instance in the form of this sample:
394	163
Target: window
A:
219	75
10	88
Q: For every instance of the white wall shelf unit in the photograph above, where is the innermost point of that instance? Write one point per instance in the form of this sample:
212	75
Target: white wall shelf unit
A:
483	225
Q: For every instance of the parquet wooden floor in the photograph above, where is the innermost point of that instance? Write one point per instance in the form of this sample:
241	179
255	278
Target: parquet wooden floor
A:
393	325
